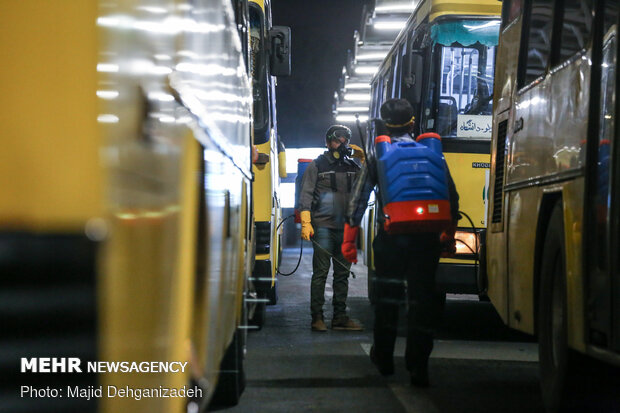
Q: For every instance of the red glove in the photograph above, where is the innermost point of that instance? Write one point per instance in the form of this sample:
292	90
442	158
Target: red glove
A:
349	240
448	243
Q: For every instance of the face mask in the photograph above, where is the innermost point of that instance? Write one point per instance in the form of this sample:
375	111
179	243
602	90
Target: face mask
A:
342	152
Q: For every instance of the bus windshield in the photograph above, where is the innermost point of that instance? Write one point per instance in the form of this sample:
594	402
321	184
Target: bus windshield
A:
460	99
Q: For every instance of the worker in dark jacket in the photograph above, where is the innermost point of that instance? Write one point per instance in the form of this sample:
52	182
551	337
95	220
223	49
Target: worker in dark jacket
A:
325	193
413	257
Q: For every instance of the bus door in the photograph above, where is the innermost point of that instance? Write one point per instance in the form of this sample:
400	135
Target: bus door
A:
603	206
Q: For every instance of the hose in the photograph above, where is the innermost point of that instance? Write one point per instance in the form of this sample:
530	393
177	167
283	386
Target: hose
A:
301	250
476	254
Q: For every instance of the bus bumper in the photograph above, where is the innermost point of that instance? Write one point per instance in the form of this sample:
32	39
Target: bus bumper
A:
457	278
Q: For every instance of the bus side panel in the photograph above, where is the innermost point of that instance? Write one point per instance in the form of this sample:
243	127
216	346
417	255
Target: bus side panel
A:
505	87
223	186
506	67
524	207
49	162
547	144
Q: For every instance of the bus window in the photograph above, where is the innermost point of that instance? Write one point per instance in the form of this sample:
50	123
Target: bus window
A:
536	47
462	88
259	75
576	27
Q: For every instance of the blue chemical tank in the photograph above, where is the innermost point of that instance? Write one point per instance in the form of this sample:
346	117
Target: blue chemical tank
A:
413	184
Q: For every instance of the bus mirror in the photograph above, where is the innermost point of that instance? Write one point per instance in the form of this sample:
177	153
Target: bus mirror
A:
280	51
414	78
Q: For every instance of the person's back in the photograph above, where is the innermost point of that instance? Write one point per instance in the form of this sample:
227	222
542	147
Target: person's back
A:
410	256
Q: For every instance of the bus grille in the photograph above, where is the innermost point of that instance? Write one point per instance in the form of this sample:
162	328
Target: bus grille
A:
48	308
498	188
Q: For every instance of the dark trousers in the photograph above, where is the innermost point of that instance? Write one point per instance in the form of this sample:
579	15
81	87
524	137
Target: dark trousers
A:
329	240
412	258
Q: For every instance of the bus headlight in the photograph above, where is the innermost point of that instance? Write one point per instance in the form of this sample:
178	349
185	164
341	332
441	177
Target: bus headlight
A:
467	243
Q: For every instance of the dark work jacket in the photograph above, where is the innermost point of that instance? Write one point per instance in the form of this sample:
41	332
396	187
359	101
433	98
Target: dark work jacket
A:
326	190
366	182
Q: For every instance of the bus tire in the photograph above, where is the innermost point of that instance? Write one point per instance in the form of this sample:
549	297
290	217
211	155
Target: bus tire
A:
231	380
553	350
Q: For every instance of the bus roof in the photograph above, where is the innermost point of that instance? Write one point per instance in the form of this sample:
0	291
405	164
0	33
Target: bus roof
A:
440	8
434	9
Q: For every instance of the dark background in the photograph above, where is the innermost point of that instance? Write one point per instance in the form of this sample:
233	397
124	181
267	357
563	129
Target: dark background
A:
321	33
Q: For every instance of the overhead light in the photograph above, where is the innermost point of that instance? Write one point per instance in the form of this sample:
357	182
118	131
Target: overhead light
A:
352	109
357	97
396	7
370	56
391	25
366	70
357	86
351	118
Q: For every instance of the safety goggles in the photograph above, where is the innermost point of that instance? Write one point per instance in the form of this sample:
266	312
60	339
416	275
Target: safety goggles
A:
338	134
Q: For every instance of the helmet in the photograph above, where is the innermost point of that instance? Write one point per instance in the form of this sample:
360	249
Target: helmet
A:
336	132
397	113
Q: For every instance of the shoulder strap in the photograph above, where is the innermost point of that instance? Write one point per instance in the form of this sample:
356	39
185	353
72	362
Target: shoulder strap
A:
323	165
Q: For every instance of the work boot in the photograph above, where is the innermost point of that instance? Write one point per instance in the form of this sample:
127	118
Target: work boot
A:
346	323
385	367
318	324
419	376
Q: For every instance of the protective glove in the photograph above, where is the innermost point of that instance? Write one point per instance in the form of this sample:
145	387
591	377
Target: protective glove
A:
448	243
349	247
306	228
358	153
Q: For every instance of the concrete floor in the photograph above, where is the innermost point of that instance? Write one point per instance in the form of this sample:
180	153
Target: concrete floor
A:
478	365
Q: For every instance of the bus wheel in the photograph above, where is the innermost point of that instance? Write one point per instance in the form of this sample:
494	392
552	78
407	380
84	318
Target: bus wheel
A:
552	315
231	380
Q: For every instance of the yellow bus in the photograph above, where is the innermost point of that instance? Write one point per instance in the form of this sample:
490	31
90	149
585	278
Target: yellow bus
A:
125	185
270	61
552	243
443	62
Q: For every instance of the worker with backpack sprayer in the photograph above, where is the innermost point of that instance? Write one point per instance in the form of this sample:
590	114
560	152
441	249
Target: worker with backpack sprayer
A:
417	211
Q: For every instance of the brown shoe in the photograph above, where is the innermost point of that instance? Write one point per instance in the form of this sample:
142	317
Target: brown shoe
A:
346	323
318	325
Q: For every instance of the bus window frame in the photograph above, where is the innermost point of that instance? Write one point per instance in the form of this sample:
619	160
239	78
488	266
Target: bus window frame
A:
262	128
509	13
522	86
555	61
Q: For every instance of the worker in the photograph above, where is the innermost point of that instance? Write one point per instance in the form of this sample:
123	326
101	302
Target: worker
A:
412	257
325	194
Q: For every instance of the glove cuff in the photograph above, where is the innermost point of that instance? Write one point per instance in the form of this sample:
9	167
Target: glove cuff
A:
350	233
305	217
